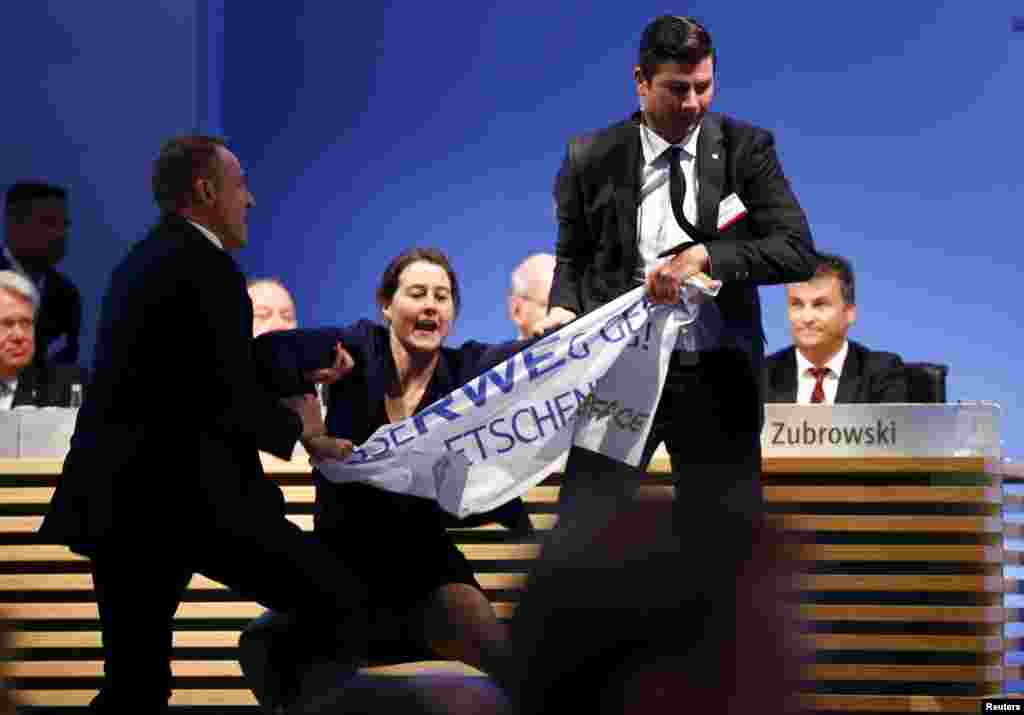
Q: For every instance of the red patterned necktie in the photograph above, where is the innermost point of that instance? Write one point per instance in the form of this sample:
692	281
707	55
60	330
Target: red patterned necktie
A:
818	394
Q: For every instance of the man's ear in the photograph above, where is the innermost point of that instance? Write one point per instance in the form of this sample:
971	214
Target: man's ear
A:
638	78
204	191
851	314
514	308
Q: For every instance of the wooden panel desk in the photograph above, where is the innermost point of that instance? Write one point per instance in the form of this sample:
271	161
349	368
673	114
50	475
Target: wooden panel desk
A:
901	585
901	579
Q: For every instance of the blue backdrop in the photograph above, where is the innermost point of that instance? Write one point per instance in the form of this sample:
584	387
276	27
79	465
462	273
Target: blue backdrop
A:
367	130
88	94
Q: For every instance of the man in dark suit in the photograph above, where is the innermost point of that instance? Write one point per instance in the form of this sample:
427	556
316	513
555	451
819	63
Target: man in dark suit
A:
22	381
676	177
36	229
823	366
170	432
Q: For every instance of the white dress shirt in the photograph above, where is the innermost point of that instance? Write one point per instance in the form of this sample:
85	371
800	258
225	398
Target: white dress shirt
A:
39	282
805	380
7	397
656	224
208	233
658	230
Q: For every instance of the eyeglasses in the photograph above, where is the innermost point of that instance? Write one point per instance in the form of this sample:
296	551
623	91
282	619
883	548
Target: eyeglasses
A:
7	325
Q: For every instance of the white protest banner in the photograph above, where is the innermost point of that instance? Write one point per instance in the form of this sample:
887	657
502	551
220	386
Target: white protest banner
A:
594	383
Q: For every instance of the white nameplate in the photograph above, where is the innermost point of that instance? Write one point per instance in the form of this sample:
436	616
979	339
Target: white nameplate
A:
10	426
45	432
965	429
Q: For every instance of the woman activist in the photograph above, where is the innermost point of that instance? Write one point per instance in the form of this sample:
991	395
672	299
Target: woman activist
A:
431	602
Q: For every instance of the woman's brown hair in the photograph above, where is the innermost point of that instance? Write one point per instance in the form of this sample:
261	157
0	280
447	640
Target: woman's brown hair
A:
389	280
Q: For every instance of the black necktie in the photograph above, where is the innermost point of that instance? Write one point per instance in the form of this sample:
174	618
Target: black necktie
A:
677	186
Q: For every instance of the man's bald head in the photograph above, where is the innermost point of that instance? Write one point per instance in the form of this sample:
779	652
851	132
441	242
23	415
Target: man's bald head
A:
531	284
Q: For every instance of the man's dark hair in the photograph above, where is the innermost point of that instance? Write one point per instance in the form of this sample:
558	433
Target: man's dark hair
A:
832	265
21	194
182	160
619	568
389	279
671	38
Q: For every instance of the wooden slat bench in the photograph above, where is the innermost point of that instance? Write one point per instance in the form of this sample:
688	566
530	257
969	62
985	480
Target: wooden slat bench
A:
902	581
901	587
49	608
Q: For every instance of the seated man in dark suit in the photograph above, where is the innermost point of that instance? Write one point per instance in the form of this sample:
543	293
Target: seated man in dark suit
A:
822	366
35	235
22	381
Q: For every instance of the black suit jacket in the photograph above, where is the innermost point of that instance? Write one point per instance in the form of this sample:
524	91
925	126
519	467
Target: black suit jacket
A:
48	385
868	376
175	415
59	317
598	192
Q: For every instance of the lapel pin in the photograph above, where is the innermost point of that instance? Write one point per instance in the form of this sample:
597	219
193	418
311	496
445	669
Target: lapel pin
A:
714	156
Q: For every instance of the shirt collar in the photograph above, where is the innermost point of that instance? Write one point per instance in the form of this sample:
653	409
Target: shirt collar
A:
654	146
835	364
208	233
15	263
